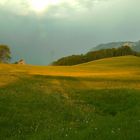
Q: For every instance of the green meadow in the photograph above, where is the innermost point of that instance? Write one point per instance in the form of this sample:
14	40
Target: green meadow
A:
99	100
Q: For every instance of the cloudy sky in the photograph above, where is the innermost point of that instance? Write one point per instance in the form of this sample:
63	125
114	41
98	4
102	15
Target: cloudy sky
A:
41	31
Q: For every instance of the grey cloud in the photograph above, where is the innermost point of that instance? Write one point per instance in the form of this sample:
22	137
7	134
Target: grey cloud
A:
42	39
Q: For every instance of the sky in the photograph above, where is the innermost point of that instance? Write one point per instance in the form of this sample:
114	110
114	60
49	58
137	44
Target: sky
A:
41	31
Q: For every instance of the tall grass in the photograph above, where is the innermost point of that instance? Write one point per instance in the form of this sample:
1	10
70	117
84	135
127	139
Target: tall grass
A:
32	108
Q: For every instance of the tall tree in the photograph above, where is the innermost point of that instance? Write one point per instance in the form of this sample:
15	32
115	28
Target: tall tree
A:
5	54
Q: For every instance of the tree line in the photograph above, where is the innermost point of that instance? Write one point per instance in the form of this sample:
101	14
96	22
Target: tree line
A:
95	55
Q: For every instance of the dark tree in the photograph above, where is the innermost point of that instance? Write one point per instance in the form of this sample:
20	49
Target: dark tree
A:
5	54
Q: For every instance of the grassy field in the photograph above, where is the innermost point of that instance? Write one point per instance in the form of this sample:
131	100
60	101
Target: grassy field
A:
99	100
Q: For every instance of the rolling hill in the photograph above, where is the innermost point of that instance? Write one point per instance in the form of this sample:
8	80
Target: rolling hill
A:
113	62
99	100
95	55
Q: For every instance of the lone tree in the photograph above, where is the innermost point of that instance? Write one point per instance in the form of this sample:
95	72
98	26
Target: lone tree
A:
5	54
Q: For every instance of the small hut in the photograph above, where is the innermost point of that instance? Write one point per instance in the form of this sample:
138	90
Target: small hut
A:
21	62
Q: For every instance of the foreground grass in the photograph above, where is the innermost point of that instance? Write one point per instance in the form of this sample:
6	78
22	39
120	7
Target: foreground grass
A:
29	109
60	107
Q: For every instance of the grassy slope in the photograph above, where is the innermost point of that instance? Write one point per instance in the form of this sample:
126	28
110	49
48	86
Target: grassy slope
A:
98	100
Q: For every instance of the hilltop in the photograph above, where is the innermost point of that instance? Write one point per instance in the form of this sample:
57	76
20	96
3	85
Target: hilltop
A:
113	62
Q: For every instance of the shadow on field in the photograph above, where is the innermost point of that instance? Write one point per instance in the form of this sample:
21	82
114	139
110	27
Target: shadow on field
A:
64	108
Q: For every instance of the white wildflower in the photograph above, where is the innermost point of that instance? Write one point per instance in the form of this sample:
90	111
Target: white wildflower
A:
66	135
113	131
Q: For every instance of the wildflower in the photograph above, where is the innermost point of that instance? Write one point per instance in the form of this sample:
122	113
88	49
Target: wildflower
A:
96	128
112	131
66	135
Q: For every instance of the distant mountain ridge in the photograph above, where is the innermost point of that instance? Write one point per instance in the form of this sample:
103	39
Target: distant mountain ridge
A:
134	45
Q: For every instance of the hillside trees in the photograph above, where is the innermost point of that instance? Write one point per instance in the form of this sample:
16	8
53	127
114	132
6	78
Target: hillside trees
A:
70	60
95	55
5	54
